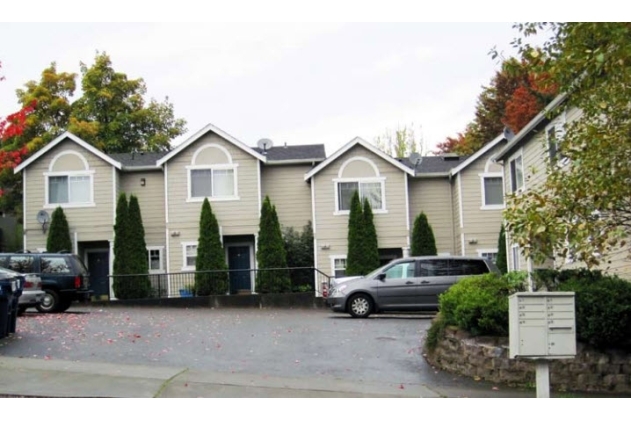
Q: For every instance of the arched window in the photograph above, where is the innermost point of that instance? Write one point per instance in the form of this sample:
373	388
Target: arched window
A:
362	175
212	174
69	181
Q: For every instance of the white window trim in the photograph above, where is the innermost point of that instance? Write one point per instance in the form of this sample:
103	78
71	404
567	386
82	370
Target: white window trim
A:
559	128
484	206
512	259
233	167
482	251
84	173
332	258
184	244
161	250
519	154
359	180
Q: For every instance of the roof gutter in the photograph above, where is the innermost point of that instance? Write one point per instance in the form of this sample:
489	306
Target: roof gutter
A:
530	126
294	161
141	168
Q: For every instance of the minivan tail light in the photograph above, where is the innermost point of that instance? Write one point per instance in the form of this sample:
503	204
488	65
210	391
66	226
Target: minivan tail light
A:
77	282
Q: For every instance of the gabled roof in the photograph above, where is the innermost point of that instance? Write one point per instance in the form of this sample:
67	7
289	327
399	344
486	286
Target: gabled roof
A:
434	165
478	154
297	153
359	141
202	132
523	133
61	138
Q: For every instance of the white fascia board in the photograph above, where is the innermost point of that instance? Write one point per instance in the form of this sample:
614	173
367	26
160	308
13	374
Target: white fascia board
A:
59	139
365	144
478	154
202	132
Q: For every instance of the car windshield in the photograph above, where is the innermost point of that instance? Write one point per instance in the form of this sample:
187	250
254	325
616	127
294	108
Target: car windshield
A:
375	272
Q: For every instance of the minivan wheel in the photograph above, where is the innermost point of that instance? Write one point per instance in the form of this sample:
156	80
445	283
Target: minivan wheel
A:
49	303
360	305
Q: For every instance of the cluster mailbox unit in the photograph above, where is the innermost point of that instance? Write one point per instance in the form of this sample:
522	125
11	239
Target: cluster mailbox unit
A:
542	325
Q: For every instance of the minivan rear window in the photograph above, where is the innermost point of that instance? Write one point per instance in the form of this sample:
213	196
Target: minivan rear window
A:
464	267
438	267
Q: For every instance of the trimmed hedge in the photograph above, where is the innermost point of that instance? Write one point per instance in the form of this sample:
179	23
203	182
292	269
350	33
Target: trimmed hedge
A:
479	304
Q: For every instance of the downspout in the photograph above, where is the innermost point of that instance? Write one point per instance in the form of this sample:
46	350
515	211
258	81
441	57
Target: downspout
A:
453	221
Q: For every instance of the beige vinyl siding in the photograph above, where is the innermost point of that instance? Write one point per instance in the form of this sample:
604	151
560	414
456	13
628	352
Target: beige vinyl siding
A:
481	226
90	223
332	229
289	192
455	194
433	196
151	201
235	217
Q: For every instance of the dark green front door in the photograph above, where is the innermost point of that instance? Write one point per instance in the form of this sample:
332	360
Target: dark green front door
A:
239	265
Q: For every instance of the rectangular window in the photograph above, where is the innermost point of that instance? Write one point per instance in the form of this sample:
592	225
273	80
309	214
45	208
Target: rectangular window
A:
492	256
339	266
190	255
155	259
370	190
552	143
212	183
493	191
69	189
516	174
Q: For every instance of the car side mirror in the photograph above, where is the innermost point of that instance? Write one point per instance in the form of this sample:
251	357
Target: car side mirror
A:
381	277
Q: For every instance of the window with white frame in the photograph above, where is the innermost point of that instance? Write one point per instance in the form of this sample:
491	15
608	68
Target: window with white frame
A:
488	255
212	183
373	191
212	174
339	266
515	256
189	253
492	191
69	181
554	134
517	173
155	259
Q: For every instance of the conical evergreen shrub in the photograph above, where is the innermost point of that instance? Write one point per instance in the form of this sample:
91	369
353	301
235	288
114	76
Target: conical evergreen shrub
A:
211	277
423	241
270	253
59	233
355	239
501	262
371	246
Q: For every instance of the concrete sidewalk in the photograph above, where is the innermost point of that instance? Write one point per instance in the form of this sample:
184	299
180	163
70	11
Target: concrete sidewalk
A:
57	378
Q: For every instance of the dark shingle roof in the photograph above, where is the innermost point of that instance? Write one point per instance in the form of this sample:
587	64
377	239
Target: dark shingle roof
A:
435	164
138	159
297	152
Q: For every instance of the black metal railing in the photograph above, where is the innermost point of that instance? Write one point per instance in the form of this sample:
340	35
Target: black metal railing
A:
235	281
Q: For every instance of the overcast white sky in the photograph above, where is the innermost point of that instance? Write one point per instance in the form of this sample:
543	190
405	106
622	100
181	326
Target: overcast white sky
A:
300	83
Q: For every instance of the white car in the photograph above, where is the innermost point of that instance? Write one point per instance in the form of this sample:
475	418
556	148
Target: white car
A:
32	293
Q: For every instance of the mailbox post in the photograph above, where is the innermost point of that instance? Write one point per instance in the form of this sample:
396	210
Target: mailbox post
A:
542	327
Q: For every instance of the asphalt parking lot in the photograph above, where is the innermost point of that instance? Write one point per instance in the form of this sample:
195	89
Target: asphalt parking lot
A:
287	343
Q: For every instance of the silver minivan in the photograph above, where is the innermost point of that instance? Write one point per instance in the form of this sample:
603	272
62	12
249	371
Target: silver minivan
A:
406	284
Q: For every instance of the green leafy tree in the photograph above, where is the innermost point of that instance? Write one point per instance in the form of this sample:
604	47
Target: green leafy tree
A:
423	241
354	255
582	208
401	143
211	277
59	233
271	253
501	262
112	113
370	242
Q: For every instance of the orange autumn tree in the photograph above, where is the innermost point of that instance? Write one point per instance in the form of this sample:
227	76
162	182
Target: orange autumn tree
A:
11	155
515	95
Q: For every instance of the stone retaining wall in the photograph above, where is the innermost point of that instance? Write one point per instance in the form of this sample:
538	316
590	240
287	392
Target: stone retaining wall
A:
487	358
